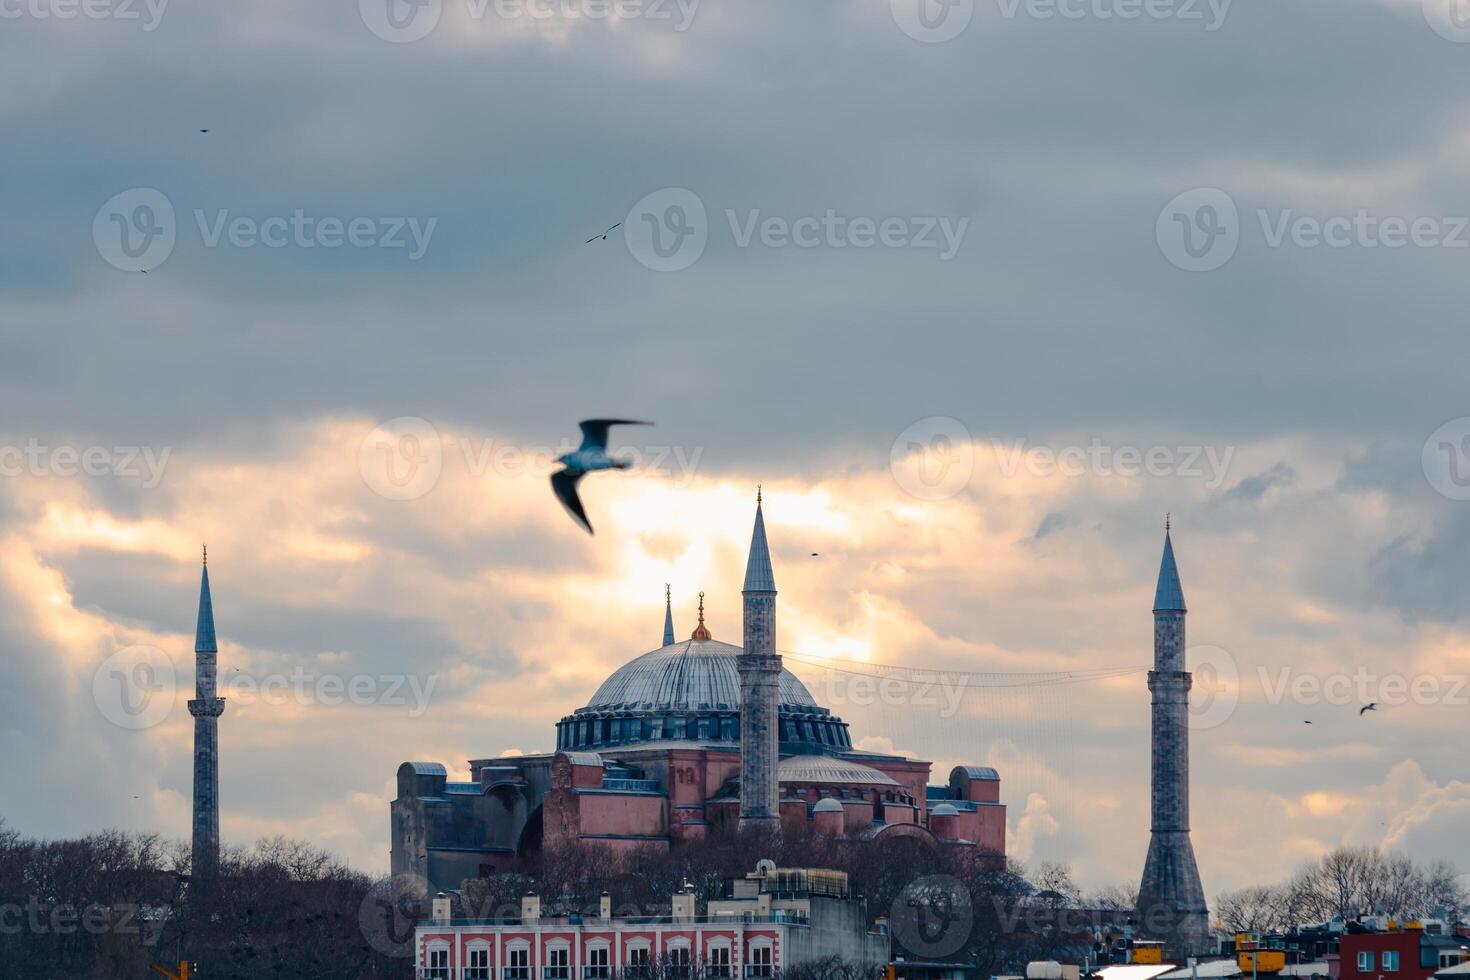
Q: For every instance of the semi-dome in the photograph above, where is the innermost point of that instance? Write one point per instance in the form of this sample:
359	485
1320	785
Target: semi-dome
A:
826	769
690	674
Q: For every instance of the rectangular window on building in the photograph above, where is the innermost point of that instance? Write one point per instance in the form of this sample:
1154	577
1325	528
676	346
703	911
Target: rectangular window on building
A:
597	965
438	968
719	961
678	961
1390	962
1365	962
558	964
518	964
478	967
760	962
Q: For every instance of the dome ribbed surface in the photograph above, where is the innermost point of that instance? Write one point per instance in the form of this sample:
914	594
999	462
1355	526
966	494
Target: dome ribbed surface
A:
826	769
689	674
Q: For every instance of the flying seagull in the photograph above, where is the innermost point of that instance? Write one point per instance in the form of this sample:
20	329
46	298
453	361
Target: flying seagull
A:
589	457
603	236
1372	706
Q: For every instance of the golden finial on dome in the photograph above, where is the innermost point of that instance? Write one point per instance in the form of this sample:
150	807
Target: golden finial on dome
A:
701	632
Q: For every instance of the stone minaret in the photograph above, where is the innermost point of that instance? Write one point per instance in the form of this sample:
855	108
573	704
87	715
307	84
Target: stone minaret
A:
760	680
1170	877
206	709
668	617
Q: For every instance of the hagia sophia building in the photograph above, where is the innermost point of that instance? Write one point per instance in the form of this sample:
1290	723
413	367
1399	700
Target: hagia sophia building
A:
691	737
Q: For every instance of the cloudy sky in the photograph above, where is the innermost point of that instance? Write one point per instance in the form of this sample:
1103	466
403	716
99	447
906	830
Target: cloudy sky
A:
979	291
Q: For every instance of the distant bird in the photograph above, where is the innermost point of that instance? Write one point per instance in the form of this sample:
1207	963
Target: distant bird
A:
815	555
1372	706
1306	723
204	131
603	236
589	457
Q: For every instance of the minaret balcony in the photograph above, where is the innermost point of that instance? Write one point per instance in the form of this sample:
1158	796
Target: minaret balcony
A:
206	707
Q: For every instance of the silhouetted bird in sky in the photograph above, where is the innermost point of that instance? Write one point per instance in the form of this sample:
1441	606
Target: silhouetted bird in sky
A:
589	457
603	236
1373	706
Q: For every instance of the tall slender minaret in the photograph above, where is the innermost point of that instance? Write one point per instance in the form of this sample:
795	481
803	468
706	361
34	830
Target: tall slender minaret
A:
206	709
1170	876
760	679
668	616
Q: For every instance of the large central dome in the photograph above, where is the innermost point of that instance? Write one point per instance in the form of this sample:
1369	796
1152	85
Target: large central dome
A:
689	675
689	692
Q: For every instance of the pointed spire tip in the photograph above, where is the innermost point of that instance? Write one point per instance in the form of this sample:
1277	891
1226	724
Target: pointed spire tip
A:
1169	596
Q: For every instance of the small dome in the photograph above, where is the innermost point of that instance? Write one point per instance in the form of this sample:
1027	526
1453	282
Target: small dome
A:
828	805
688	674
944	810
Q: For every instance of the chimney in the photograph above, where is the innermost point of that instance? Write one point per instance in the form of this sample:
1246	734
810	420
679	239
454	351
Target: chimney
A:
684	903
604	907
530	908
441	908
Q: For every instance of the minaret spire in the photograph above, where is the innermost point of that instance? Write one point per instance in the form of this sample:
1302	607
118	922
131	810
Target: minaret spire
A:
760	676
206	707
1171	882
668	616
